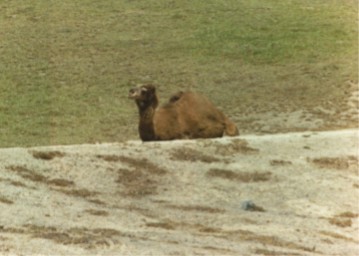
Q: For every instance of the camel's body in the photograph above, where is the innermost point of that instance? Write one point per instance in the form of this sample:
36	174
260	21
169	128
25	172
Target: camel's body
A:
187	115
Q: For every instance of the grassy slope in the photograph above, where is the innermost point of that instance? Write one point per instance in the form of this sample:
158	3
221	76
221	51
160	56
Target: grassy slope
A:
66	66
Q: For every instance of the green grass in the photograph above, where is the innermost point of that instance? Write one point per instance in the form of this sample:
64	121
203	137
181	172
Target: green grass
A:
66	66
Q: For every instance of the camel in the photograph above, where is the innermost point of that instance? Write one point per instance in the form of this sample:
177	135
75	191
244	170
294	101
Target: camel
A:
187	115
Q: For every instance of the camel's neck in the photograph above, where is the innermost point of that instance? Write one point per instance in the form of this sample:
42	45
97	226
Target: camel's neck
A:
145	107
146	126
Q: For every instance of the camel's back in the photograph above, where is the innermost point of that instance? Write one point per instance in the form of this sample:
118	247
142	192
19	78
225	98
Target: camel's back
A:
199	105
199	117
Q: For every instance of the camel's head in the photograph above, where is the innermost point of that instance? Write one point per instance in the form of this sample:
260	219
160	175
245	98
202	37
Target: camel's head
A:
144	95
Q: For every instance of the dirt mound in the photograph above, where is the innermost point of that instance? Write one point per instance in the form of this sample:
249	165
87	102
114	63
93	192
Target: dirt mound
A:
285	194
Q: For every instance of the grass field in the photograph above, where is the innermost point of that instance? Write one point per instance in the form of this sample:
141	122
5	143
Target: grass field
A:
66	66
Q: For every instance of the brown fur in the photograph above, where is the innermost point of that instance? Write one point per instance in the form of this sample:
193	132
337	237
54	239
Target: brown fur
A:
187	115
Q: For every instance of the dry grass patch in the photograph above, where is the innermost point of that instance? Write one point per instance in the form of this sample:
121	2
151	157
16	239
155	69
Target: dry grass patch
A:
239	176
275	253
349	163
26	173
343	219
4	200
13	182
136	183
109	158
199	208
140	163
276	162
348	215
83	193
237	146
84	237
245	235
143	164
142	179
18	184
163	225
192	155
61	182
343	223
235	235
47	155
337	236
97	212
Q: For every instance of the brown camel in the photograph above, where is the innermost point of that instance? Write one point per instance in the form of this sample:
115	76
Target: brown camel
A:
187	115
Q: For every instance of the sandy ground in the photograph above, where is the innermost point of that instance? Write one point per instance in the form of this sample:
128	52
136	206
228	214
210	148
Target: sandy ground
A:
283	194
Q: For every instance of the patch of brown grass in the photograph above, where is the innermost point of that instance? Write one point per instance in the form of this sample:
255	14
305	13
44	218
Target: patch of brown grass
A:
96	201
349	163
26	173
245	235
235	235
276	162
47	155
198	208
192	155
97	212
141	163
237	146
163	225
340	222
61	182
274	253
343	219
142	179
83	193
136	183
348	215
337	236
5	200
109	158
239	176
84	237
14	183
18	184
217	249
